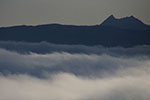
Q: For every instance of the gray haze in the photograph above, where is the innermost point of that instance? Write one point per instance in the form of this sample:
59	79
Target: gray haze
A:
79	12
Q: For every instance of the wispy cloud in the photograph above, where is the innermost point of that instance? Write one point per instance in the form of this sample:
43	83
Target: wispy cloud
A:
78	64
67	86
101	74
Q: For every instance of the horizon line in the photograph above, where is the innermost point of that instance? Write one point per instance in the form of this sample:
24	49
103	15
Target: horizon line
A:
55	23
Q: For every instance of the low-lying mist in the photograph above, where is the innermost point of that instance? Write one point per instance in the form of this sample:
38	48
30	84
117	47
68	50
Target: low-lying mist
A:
36	71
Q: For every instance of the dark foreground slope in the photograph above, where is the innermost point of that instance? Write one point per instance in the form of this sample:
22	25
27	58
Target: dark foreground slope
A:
112	32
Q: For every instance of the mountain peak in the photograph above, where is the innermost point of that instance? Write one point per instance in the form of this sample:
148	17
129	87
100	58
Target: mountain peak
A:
125	23
132	17
111	17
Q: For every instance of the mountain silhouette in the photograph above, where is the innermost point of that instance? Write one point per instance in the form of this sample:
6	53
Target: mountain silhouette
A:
125	23
128	31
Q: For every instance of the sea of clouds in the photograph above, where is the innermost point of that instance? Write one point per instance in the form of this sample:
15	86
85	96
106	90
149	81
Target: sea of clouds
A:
45	71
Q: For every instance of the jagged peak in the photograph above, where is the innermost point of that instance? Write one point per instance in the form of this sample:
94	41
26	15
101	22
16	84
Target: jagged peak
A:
112	16
128	17
130	22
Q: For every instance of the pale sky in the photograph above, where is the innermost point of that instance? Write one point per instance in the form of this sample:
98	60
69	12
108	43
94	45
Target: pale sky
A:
76	12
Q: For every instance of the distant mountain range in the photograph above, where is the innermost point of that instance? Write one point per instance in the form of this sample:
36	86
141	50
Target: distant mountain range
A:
128	31
131	23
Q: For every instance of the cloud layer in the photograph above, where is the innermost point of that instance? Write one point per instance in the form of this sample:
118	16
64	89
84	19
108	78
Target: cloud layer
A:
64	72
44	47
67	86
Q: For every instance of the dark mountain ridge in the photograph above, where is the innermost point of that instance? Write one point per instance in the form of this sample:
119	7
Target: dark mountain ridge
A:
128	31
126	23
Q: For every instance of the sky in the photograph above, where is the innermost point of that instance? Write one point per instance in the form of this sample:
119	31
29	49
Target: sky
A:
75	12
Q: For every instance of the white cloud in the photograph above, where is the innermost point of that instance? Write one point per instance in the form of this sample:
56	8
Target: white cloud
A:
75	76
79	64
69	87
